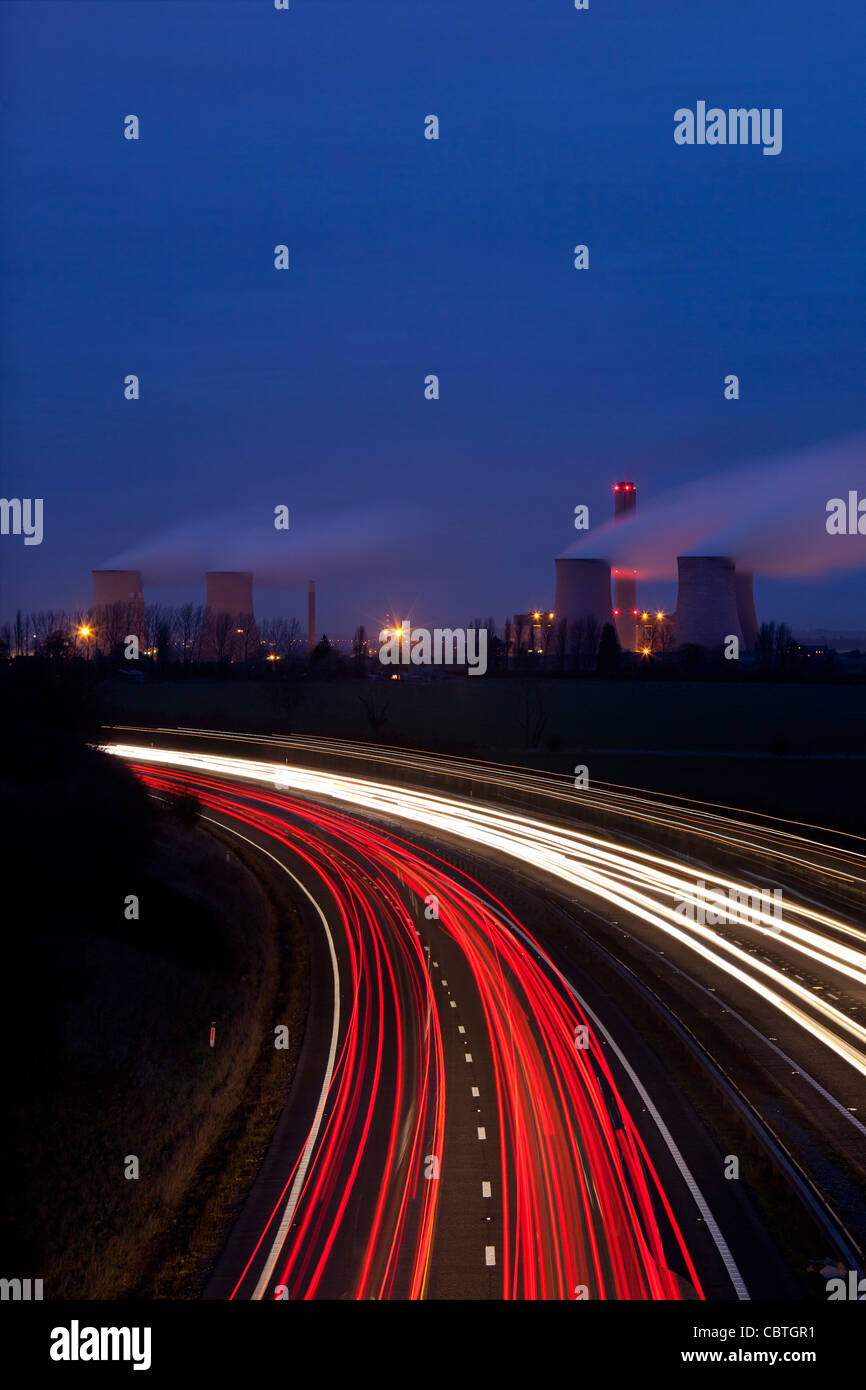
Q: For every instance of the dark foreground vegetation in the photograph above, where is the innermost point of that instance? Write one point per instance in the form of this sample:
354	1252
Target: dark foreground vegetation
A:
108	1010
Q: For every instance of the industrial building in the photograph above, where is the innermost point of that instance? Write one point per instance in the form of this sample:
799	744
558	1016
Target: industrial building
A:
715	600
118	608
582	592
625	609
229	632
706	602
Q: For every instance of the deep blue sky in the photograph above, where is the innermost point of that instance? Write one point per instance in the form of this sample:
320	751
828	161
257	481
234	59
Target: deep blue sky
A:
411	257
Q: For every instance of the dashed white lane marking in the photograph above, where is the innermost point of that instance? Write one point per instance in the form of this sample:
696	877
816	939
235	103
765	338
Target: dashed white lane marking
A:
482	1132
460	1028
468	1056
475	1091
490	1254
445	983
486	1190
453	1005
712	1226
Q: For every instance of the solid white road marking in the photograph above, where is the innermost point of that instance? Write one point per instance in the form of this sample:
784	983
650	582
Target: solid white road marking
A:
300	1176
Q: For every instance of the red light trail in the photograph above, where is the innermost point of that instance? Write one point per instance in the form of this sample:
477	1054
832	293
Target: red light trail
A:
581	1203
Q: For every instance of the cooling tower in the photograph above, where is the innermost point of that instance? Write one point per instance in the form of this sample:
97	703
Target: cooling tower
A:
706	602
743	580
116	586
118	607
583	591
230	632
229	591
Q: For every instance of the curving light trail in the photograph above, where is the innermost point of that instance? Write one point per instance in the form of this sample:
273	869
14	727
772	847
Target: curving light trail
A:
655	889
581	1201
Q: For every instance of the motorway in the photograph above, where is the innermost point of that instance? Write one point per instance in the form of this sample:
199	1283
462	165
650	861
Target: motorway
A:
472	1117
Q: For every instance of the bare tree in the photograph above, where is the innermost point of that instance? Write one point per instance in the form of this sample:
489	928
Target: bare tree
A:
375	705
592	639
247	645
158	623
559	641
220	631
359	650
508	641
114	622
534	716
520	640
188	630
661	636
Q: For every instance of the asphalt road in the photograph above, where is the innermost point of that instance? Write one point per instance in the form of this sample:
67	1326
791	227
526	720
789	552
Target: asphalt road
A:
445	1136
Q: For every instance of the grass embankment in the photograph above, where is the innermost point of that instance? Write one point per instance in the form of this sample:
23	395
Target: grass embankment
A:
780	749
108	1024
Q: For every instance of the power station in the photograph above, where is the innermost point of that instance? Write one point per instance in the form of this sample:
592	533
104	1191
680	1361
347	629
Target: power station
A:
715	603
715	600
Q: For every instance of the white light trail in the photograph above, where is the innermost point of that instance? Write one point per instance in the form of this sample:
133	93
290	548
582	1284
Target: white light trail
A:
635	881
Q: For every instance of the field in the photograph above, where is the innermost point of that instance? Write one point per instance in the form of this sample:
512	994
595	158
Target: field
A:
792	750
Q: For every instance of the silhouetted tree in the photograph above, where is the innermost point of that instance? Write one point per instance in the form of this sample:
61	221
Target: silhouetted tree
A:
609	651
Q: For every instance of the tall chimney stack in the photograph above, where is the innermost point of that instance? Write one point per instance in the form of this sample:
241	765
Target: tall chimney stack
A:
625	581
311	616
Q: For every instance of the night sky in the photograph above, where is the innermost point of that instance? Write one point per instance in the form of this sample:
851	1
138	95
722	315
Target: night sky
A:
411	257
